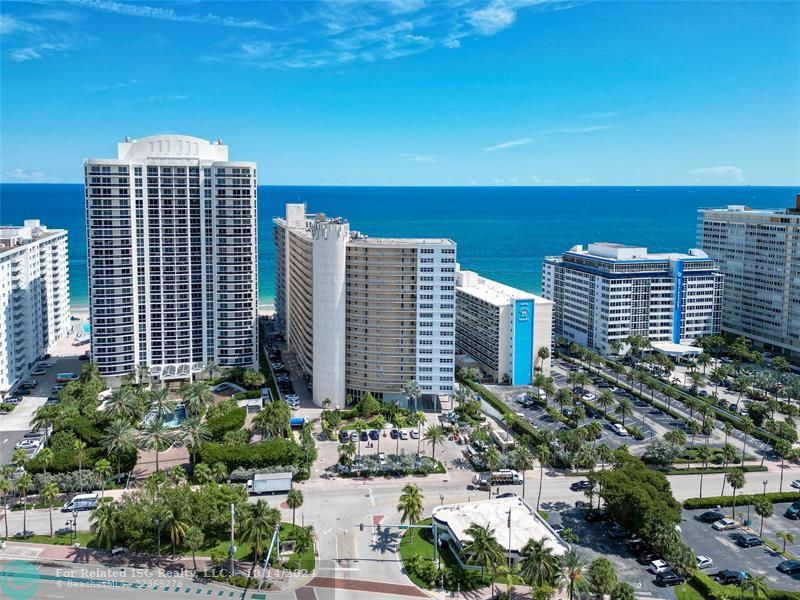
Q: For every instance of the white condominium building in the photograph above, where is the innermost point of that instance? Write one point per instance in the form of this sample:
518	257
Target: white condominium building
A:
759	252
610	291
34	297
502	328
364	314
172	244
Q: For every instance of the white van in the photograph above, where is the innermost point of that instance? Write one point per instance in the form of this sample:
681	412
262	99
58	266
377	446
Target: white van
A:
81	502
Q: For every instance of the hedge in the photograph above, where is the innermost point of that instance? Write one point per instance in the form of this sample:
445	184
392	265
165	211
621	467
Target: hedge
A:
274	451
519	426
230	421
707	471
65	461
709	588
741	499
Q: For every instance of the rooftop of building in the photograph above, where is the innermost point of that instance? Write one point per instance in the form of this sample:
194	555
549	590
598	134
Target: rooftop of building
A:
612	251
743	208
492	292
15	236
526	524
169	147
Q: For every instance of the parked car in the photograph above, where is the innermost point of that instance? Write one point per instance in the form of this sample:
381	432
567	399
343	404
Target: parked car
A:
343	436
793	512
790	567
414	434
382	458
13	400
669	579
646	557
374	434
616	531
796	484
594	516
579	486
403	434
725	525
84	357
729	577
353	436
732	407
704	562
619	429
38	372
588	396
747	541
506	495
659	566
710	516
364	436
394	434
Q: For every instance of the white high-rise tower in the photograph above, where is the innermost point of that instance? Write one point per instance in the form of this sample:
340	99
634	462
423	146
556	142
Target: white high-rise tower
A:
172	248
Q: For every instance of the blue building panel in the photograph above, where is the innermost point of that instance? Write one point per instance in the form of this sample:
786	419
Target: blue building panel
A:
523	343
677	311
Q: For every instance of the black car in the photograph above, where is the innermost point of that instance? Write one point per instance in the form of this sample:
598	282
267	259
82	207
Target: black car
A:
747	541
790	567
793	512
646	558
711	516
594	516
728	577
669	579
394	434
374	434
83	357
343	436
364	436
579	486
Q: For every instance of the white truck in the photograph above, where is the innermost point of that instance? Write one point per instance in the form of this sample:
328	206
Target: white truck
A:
269	483
81	502
482	481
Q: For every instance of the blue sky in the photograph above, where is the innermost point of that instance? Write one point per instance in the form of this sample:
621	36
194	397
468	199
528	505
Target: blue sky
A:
417	92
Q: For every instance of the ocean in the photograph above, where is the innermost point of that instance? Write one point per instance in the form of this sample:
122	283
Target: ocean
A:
501	232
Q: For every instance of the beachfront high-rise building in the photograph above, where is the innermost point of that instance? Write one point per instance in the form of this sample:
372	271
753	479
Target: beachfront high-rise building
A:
34	297
364	314
758	250
172	245
502	329
607	292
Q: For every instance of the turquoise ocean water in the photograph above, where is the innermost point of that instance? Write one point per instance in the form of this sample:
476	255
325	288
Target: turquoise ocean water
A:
502	232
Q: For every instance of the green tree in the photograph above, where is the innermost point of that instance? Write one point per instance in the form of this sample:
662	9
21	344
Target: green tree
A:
704	360
624	409
198	398
435	435
542	354
360	425
219	471
602	577
176	526
573	575
623	591
79	447
102	469
45	458
5	489
156	437
482	548
119	439
410	505
24	484
412	391
347	451
252	379
523	460
104	524
746	427
539	566
49	495
20	458
764	509
368	406
378	423
786	537
757	586
294	500
703	453
193	434
121	404
605	400
784	449
274	419
202	474
543	453
736	480
159	402
194	540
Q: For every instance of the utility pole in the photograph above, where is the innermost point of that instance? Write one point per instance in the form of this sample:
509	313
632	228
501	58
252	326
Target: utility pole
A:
509	538
232	548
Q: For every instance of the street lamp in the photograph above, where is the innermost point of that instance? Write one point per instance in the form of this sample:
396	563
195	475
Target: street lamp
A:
441	498
73	525
158	527
764	483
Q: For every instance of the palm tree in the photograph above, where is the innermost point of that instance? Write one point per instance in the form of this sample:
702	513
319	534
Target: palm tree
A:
79	447
539	566
103	470
412	392
177	528
5	489
763	507
786	536
361	425
378	422
197	398
121	404
605	400
784	450
273	419
193	434
48	495
746	426
104	524
703	360
482	548
549	388
160	403
194	540
24	484
45	459
347	451
542	455
156	437
410	505
202	474
572	573
294	500
119	439
703	453
211	368
728	458
563	398
435	435
624	409
757	586
542	354
418	419
523	460
736	480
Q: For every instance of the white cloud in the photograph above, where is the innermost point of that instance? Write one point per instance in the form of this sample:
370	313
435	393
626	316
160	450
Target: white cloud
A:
169	14
24	54
424	158
112	86
9	24
22	176
539	181
492	18
724	174
510	144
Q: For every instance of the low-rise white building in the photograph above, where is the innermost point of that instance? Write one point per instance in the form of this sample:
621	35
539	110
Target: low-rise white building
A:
513	521
502	328
34	297
607	292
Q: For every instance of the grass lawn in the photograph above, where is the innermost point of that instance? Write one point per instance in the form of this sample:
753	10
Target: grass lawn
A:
686	592
305	561
85	538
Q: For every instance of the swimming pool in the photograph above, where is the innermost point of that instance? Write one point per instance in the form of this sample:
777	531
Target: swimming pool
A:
87	328
171	420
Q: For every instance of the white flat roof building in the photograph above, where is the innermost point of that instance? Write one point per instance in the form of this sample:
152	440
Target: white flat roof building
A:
34	297
364	314
453	520
172	248
503	328
758	250
608	291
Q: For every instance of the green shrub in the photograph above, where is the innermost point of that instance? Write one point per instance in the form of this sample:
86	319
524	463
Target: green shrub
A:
709	588
232	420
246	395
274	451
741	500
